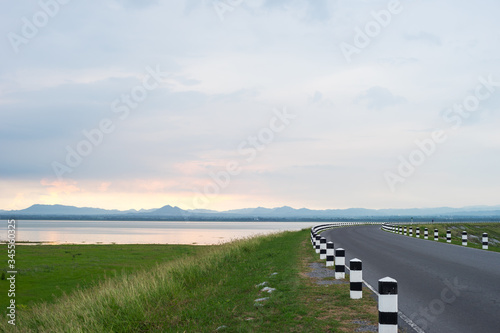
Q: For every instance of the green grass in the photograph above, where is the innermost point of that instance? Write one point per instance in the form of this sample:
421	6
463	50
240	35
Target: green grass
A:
205	292
474	233
46	272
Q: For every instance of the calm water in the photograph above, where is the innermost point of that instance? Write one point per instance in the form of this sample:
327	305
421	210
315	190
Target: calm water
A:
143	232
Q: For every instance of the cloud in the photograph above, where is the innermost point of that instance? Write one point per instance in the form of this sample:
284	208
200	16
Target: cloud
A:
54	188
316	98
319	100
104	186
379	98
131	4
225	78
425	37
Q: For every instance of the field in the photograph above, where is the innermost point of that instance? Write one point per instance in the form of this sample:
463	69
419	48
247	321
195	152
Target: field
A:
474	233
46	272
196	289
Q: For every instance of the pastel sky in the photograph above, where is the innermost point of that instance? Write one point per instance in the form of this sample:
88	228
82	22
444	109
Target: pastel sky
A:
229	104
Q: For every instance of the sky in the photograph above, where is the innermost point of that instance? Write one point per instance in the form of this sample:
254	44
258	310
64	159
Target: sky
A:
226	104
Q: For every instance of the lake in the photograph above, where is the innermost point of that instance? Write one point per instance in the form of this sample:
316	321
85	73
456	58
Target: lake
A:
143	232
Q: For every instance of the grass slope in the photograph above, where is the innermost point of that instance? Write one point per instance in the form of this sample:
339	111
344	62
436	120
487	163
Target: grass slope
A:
46	272
213	291
474	233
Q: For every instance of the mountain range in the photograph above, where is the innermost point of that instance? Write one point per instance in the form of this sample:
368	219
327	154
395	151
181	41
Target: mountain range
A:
281	213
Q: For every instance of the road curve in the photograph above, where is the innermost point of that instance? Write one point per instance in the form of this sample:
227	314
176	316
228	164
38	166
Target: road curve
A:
442	287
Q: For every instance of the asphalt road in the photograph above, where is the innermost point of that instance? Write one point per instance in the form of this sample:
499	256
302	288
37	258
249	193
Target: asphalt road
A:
442	287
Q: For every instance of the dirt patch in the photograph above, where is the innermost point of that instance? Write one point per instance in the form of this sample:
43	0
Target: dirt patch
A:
493	241
323	275
329	299
365	326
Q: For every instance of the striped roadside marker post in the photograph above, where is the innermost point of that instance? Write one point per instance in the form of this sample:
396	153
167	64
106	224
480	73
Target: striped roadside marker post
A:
322	248
330	254
426	233
485	241
464	238
316	246
448	236
436	235
417	231
339	263
411	231
388	305
356	278
405	231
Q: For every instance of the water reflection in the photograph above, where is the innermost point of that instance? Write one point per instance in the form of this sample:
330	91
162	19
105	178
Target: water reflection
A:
145	232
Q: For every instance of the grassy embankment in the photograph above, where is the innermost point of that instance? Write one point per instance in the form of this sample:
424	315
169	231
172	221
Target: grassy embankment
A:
474	233
46	272
216	288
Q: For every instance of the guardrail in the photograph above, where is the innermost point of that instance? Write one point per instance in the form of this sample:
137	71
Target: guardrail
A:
464	237
387	287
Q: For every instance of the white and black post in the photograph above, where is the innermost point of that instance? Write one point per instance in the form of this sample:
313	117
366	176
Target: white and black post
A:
405	231
339	263
448	236
417	231
426	233
356	278
388	305
464	238
322	248
330	254
485	241
436	235
411	231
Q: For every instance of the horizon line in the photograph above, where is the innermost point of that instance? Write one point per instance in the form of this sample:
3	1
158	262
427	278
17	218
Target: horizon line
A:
285	206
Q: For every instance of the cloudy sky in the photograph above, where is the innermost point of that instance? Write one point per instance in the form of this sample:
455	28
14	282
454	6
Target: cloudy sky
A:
228	104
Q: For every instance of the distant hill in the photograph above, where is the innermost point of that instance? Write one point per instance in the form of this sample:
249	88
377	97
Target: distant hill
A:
65	210
278	213
169	211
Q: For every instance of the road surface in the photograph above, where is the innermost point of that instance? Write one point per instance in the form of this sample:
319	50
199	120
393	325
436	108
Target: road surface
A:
442	287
